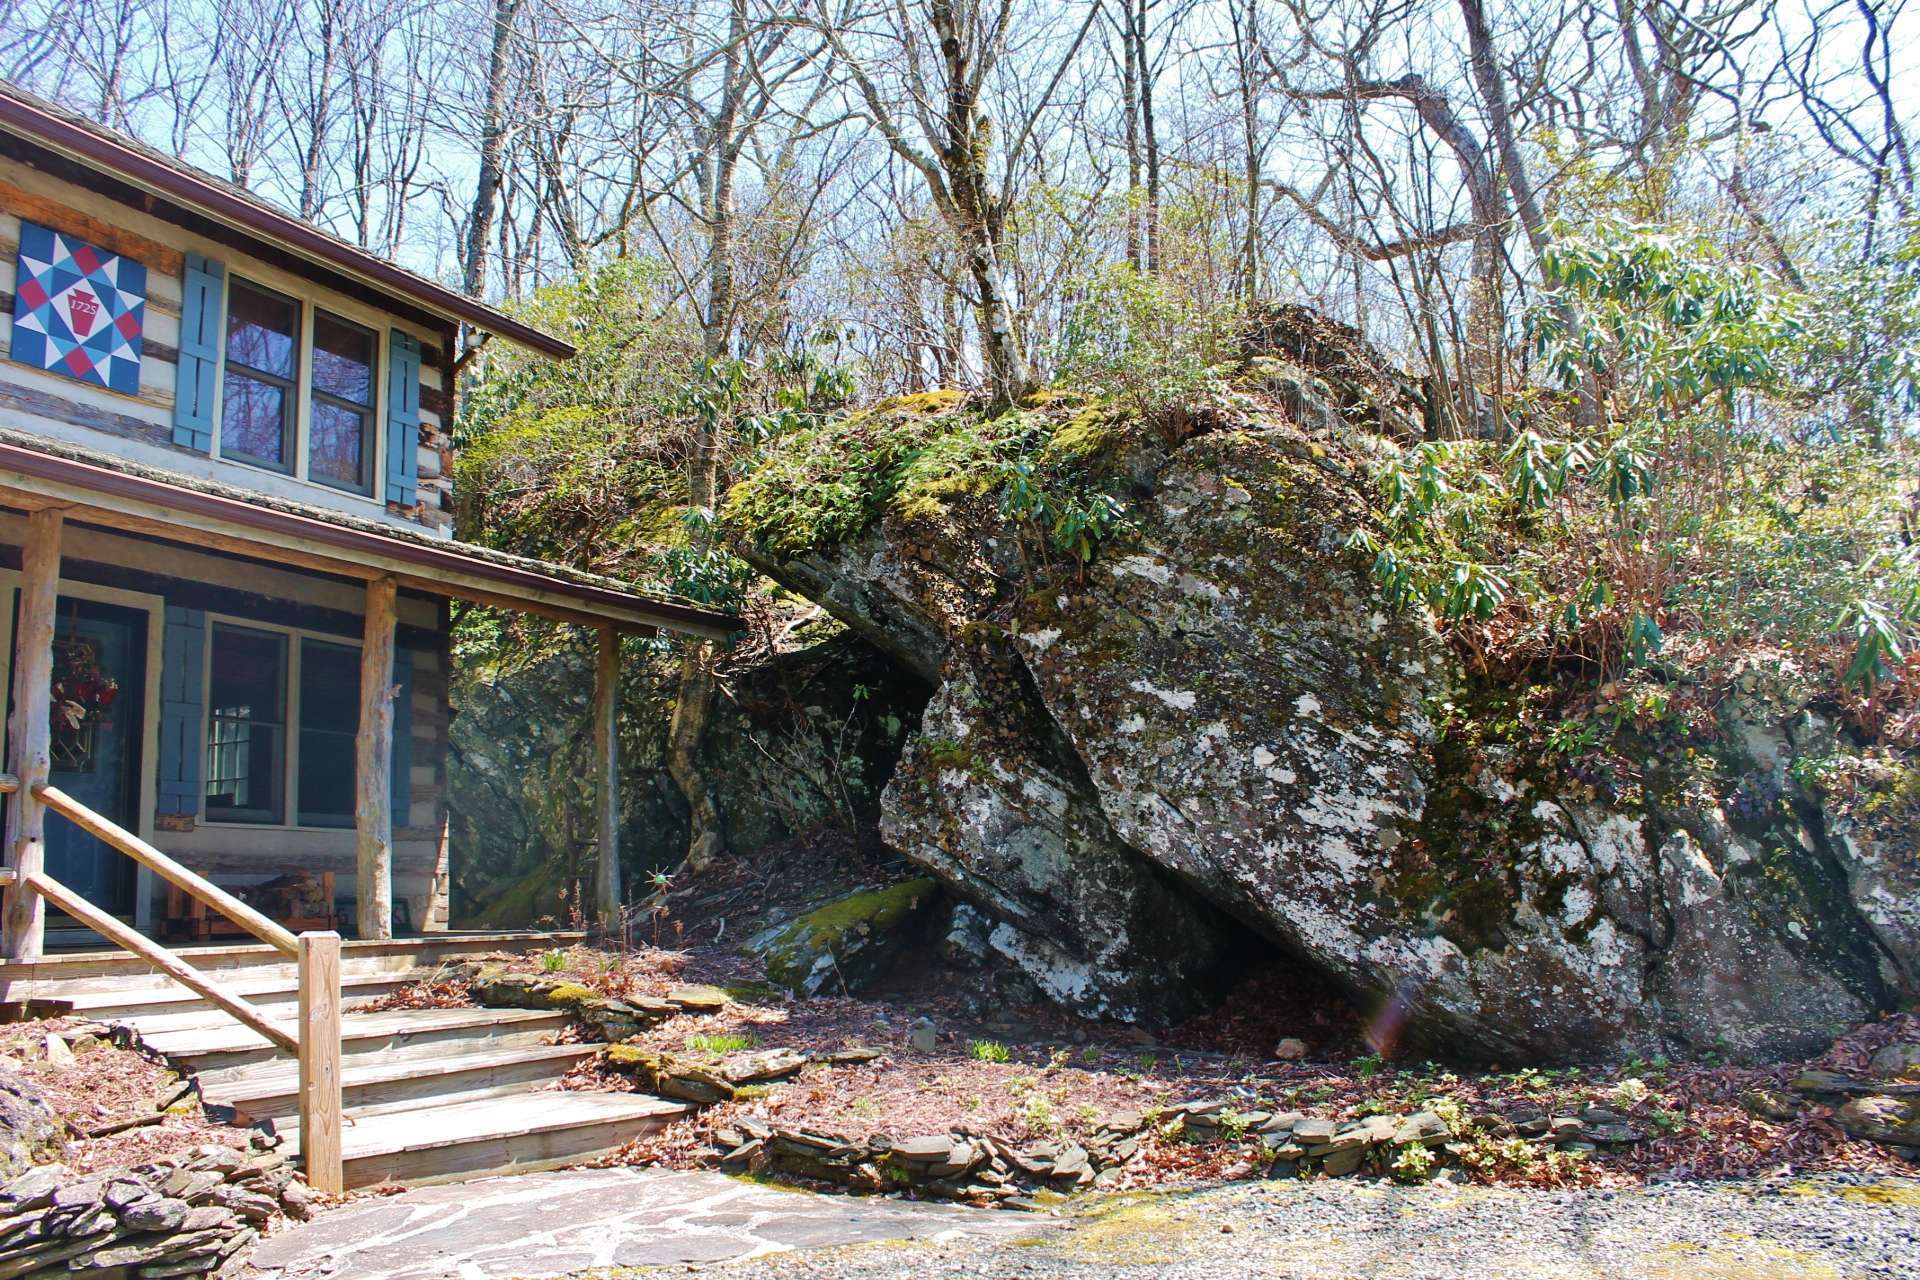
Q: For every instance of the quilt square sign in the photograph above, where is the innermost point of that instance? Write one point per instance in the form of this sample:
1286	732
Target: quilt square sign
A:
77	309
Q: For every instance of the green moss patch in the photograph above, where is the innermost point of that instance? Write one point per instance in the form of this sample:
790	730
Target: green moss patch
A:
855	938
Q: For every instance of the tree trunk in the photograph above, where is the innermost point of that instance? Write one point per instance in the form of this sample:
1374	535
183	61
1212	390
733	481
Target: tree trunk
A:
693	706
1150	136
976	216
1130	105
493	149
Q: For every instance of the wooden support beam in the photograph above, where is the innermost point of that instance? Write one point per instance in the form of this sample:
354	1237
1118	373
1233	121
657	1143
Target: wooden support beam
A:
606	766
320	1061
23	927
373	752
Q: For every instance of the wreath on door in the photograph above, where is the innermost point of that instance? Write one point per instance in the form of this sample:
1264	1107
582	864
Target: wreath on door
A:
83	697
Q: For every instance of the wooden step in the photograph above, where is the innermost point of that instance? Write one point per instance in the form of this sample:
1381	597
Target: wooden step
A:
518	1133
153	1011
42	979
398	1033
270	1090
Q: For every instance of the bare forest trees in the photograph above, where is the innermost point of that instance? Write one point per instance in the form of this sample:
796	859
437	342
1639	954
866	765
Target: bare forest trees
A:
934	186
929	76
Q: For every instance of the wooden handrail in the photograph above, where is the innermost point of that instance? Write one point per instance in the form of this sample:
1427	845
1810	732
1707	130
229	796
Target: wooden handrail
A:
274	935
8	784
316	1039
110	928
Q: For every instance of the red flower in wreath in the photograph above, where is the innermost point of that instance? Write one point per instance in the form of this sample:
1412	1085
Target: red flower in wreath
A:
83	694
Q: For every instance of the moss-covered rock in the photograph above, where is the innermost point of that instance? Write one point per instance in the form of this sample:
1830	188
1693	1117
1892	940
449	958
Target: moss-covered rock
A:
845	945
1219	725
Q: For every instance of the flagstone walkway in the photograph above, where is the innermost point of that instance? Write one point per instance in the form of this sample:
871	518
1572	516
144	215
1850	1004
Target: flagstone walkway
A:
552	1224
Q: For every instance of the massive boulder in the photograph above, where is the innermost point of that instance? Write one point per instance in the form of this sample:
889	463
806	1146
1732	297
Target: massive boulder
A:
1217	736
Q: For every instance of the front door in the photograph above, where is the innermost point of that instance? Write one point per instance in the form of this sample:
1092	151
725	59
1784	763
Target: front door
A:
99	676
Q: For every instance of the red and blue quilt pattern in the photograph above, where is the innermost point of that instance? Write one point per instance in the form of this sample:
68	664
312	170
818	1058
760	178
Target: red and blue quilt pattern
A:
77	309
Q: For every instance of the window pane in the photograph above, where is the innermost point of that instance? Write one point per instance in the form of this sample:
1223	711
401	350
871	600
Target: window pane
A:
329	686
342	359
261	329
253	420
246	725
336	445
329	716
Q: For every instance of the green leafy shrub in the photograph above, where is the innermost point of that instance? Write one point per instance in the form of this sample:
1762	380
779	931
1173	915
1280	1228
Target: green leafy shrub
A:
987	1051
1133	338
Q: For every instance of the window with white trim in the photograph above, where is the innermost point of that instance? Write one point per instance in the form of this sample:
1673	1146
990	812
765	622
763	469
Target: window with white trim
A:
299	393
283	709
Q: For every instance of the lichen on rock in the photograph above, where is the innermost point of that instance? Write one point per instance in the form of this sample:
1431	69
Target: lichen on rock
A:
1217	736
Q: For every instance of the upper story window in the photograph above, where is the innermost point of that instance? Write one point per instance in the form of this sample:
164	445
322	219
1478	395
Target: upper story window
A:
281	357
341	423
263	374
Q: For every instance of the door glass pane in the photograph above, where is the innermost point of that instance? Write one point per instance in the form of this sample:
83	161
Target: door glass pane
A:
253	420
246	725
342	359
336	438
329	717
261	329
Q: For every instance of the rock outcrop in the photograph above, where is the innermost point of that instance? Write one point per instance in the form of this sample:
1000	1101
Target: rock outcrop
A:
1216	736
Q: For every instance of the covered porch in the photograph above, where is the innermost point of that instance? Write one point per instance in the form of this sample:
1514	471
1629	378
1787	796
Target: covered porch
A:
130	568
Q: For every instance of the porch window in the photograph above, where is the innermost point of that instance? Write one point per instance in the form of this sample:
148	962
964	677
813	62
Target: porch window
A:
247	726
263	369
329	717
282	714
341	424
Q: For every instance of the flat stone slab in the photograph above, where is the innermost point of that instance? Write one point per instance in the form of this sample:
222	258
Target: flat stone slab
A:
551	1224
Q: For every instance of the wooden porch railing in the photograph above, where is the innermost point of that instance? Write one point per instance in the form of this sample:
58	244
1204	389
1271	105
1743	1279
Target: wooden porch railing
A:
316	1039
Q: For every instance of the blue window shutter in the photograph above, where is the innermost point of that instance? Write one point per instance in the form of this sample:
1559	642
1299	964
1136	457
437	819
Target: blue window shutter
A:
200	323
401	764
403	417
182	748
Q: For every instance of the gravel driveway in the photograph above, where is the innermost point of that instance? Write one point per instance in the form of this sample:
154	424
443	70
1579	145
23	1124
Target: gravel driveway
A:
1780	1230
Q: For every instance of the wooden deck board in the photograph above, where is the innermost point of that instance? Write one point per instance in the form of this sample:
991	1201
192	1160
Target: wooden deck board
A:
200	1042
429	1094
278	1080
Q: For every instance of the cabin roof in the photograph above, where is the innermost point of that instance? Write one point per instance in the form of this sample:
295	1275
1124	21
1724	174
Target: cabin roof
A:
61	472
110	152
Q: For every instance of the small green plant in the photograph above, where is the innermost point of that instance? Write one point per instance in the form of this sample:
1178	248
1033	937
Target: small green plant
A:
1630	1093
987	1051
1367	1066
1038	1115
865	1108
719	1043
1666	1120
1450	1111
1414	1164
554	961
1233	1125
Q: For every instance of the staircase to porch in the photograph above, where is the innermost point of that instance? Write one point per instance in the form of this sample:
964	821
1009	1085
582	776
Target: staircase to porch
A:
426	1094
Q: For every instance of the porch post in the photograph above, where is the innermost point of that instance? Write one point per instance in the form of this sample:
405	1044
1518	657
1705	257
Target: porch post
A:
606	764
373	807
25	922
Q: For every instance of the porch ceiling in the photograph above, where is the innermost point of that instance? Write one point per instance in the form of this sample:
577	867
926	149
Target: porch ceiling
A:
101	490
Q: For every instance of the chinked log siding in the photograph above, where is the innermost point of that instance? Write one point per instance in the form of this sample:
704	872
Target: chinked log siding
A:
49	212
44	404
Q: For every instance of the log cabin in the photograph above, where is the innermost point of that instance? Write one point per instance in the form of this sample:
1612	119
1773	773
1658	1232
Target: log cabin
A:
227	555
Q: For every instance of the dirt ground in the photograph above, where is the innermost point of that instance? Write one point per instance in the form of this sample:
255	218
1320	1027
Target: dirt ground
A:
106	1086
1035	1073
